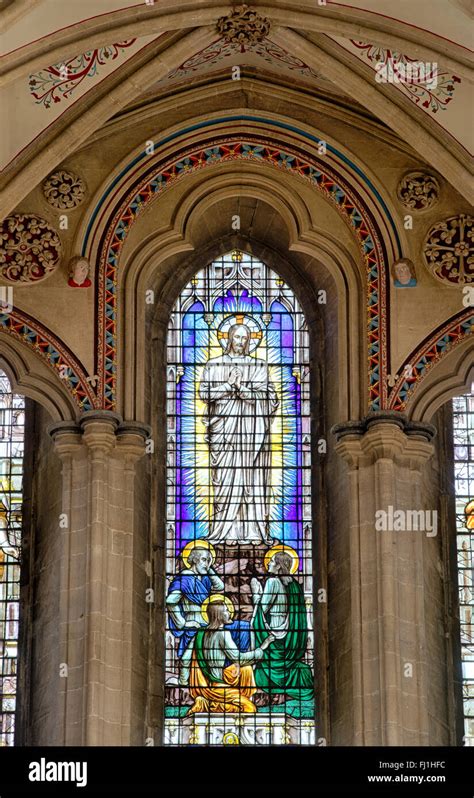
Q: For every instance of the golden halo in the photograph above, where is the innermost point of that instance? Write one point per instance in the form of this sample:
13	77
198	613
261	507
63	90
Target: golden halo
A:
217	598
469	513
256	333
288	550
197	544
230	738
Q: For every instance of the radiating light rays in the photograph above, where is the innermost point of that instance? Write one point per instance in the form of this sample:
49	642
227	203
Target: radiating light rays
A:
265	449
12	412
197	478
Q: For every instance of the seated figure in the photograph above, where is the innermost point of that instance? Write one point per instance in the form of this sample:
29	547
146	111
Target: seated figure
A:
189	589
221	678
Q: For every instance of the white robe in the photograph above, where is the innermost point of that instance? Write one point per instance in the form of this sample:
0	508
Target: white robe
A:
238	433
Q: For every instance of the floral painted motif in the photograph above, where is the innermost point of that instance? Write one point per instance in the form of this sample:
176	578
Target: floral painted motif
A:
64	190
418	191
266	49
29	248
58	82
449	250
427	86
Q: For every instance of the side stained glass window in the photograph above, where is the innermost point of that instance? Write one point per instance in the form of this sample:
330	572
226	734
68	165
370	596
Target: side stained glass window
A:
12	423
463	411
239	635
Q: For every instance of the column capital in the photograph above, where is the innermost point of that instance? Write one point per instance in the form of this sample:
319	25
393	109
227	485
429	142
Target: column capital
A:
67	437
99	428
381	417
384	435
131	439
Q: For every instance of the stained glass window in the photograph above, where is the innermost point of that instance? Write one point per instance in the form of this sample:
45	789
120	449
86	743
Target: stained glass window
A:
239	636
463	409
12	421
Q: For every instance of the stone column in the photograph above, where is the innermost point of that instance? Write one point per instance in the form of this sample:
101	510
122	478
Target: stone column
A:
96	630
386	456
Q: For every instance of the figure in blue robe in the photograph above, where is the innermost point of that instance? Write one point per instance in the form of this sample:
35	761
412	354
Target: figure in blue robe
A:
186	595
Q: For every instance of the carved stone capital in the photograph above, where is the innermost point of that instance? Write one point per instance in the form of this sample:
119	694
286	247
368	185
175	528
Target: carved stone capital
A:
67	438
99	428
131	439
384	435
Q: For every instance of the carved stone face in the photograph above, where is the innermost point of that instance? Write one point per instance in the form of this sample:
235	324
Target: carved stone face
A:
403	272
80	271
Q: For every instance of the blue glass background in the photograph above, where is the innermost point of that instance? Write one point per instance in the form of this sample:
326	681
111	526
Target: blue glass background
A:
278	335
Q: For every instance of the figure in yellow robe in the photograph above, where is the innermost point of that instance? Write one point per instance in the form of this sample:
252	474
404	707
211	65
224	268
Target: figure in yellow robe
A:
214	686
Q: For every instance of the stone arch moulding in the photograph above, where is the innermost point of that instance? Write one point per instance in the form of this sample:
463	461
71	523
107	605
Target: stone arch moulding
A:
433	372
352	193
65	399
347	21
144	264
188	31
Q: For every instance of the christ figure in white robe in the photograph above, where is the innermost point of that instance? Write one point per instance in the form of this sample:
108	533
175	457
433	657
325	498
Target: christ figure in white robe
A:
241	402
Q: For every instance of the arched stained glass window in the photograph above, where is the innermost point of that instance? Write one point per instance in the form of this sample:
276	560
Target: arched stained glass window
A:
239	639
463	414
12	422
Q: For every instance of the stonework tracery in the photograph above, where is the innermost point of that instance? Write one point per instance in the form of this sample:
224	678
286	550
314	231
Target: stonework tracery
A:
418	191
243	26
64	190
30	248
449	250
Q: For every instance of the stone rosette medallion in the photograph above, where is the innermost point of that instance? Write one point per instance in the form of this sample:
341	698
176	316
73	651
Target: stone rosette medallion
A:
418	191
448	250
64	190
30	248
243	26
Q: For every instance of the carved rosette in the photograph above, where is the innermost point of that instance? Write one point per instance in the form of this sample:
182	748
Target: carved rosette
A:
30	248
418	191
64	190
243	26
449	250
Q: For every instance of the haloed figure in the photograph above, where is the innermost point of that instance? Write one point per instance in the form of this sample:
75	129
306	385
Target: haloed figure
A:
280	609
189	589
241	402
215	686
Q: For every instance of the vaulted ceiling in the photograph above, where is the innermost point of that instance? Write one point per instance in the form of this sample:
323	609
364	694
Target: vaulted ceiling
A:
69	68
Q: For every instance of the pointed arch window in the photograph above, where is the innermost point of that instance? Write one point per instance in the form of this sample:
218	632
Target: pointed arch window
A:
239	637
463	422
12	424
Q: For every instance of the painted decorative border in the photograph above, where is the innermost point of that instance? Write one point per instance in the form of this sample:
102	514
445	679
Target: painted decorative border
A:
258	150
432	91
53	352
422	359
220	50
59	81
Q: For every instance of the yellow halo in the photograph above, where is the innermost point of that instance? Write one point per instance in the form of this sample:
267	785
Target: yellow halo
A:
197	544
288	550
230	738
469	513
217	598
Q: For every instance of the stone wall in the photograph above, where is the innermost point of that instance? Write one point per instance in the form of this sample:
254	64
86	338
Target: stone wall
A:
39	699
